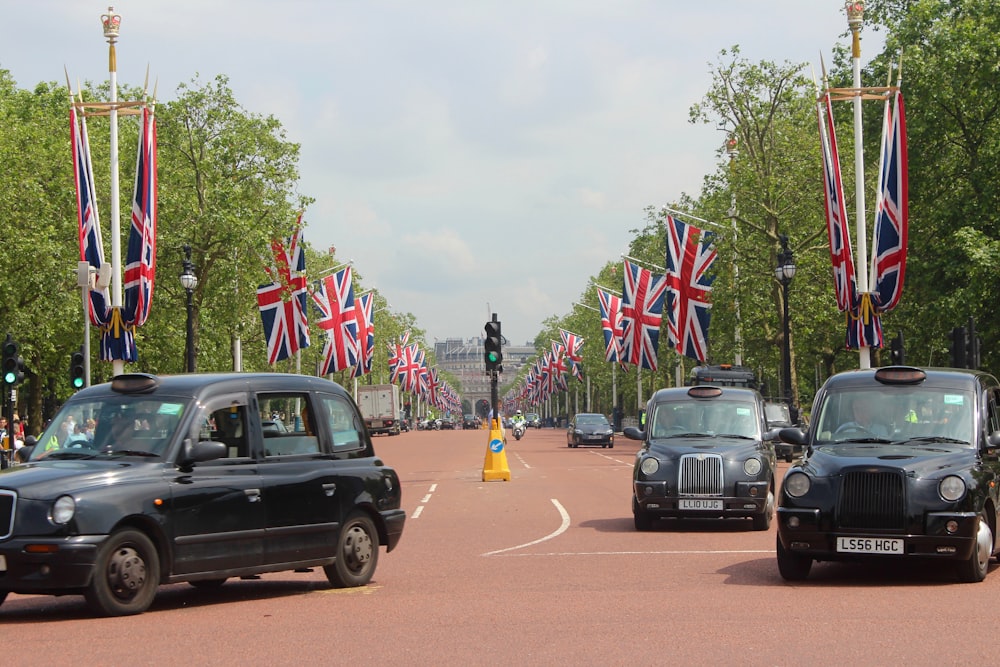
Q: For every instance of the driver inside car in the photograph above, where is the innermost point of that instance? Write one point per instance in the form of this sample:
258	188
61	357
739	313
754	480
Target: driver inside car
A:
862	419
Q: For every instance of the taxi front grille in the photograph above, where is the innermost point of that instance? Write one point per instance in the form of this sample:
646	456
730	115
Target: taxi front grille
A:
700	474
7	501
872	500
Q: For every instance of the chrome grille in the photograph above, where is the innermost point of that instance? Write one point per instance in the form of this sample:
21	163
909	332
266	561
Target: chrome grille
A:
872	500
7	501
700	474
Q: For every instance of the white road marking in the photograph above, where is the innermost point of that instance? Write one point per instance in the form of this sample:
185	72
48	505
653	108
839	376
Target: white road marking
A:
652	553
426	499
558	531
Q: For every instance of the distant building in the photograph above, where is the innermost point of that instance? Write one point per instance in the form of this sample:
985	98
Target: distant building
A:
463	358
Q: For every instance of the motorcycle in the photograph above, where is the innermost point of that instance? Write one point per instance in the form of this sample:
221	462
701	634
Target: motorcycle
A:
518	430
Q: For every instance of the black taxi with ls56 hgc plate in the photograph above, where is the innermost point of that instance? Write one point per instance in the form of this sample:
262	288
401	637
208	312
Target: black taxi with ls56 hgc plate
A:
705	453
179	480
898	463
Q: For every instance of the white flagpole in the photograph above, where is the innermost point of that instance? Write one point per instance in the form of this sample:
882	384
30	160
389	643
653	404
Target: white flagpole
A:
855	15
112	23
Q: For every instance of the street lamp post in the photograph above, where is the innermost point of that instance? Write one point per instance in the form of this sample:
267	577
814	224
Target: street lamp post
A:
784	272
189	281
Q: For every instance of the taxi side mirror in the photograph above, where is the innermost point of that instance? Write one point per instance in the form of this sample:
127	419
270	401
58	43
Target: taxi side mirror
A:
633	433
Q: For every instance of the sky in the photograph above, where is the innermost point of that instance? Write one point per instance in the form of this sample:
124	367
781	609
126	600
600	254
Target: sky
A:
469	157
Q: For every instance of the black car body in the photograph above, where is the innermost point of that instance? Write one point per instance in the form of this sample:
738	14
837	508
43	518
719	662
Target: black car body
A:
705	453
778	415
916	481
532	420
185	479
590	428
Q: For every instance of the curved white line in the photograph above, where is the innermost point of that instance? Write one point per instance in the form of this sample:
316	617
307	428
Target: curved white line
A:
561	529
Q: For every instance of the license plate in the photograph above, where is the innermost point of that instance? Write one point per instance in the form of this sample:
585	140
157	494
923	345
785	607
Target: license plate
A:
870	545
3	563
700	504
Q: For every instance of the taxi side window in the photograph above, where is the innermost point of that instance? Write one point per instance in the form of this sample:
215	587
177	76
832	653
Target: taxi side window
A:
225	420
346	428
290	424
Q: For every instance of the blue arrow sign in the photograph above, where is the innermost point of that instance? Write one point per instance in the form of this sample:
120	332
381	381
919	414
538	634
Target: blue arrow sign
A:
496	446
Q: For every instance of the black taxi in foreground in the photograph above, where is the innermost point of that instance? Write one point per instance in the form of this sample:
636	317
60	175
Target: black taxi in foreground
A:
705	453
179	480
898	463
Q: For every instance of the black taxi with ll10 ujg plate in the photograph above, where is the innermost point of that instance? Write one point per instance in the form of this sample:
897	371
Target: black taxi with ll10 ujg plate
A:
898	463
180	480
706	453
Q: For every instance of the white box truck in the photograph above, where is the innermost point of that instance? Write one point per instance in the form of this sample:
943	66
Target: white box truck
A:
380	407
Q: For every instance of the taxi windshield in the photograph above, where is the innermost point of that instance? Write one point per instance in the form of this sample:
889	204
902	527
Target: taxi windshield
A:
707	418
932	414
116	426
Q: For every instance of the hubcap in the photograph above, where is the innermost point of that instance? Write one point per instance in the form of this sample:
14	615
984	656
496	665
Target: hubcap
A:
357	547
984	543
126	572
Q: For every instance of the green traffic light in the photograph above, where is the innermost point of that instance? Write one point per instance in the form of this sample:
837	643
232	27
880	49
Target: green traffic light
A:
77	383
493	357
9	377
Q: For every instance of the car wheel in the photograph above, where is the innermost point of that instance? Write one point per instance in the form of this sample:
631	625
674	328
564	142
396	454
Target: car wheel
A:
975	568
643	521
762	521
208	584
357	553
792	567
126	575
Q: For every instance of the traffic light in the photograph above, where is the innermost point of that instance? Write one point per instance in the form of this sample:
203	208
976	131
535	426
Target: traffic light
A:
958	348
13	364
77	372
896	350
493	354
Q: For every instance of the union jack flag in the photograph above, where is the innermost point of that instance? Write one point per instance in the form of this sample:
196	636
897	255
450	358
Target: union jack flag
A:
611	324
282	304
844	283
410	368
91	245
573	344
396	357
140	261
891	209
642	314
336	304
363	306
690	255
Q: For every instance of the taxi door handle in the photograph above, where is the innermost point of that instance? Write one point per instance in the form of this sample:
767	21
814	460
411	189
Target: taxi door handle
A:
329	489
253	495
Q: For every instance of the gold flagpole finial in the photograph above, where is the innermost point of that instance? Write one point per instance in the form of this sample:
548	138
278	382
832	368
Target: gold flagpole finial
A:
112	24
855	17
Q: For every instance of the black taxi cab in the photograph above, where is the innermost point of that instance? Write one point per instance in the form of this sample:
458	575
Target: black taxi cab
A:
706	453
195	478
898	463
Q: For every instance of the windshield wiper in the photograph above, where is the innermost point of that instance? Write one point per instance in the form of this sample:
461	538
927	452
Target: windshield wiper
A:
870	439
940	438
735	435
132	452
64	454
688	435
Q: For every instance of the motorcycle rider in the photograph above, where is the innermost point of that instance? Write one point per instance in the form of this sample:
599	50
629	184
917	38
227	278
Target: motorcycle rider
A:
518	417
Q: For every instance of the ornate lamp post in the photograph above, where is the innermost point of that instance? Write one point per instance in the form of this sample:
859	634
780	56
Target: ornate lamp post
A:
189	281
784	272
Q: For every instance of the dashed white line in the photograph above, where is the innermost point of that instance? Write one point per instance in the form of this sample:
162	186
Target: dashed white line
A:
426	499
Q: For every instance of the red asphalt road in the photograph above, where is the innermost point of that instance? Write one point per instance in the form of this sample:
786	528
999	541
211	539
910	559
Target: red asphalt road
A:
545	569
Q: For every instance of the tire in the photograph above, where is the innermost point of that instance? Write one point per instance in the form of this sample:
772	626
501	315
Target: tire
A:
126	575
762	521
974	569
3	596
208	584
642	520
792	567
357	553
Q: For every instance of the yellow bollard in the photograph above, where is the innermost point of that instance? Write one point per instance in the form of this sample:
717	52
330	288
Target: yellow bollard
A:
495	465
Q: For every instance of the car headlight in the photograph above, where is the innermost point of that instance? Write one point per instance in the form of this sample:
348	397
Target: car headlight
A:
952	488
752	467
649	465
63	510
797	484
